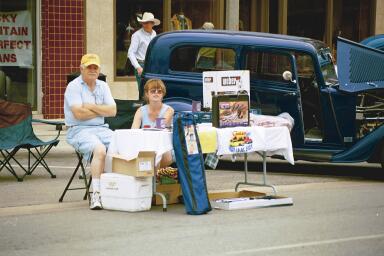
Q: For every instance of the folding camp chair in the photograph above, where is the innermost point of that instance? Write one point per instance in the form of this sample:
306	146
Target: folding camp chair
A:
87	182
16	133
126	110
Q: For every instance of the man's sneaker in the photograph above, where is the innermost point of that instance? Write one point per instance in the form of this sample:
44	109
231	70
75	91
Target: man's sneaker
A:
96	201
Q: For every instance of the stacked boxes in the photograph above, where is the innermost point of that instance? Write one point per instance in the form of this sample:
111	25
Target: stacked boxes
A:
129	186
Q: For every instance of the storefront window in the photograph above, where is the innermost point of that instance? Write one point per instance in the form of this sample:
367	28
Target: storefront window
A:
185	15
182	15
352	19
244	15
17	51
307	18
273	16
126	24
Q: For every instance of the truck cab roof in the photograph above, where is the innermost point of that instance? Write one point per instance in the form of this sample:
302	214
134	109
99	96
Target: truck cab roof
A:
162	45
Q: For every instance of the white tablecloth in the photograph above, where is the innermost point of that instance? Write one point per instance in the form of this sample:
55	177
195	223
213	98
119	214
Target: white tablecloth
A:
129	142
271	140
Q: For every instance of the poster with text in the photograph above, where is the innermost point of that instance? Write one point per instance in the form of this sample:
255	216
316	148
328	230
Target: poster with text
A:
221	82
16	39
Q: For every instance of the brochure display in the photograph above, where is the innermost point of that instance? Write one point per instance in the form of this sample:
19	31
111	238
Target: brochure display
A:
224	82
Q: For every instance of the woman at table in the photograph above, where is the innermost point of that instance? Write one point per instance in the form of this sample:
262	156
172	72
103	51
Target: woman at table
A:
145	116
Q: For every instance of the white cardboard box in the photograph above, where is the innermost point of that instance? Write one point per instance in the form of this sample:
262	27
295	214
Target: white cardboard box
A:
125	193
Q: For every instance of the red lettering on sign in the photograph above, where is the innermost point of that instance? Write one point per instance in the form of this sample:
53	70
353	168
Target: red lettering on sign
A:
15	44
8	57
13	31
4	30
8	17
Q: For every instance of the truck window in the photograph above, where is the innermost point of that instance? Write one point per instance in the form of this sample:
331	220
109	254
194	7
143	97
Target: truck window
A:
198	59
267	65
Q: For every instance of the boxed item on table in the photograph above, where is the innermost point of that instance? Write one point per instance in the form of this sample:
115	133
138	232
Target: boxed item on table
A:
230	110
142	166
125	193
171	192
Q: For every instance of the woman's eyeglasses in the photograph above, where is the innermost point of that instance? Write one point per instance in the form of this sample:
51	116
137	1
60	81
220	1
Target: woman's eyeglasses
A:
153	91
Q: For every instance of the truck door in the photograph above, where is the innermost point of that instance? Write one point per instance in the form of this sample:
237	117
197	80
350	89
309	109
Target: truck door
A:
270	93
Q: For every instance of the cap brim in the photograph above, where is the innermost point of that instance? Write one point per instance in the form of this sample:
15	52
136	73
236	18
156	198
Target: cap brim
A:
91	63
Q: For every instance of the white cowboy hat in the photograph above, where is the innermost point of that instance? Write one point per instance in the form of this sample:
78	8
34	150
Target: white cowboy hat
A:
148	16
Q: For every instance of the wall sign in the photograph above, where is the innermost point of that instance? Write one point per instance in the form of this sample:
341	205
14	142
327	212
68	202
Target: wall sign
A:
16	39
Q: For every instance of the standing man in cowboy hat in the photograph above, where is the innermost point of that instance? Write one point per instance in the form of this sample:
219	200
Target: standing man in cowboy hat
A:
140	41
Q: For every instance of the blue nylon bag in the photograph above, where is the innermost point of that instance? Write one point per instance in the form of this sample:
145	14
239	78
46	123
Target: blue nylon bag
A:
190	164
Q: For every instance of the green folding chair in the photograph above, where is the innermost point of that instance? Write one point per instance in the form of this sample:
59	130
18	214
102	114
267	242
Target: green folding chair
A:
16	133
126	110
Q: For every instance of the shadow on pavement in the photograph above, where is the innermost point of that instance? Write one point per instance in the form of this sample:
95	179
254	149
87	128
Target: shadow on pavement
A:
354	171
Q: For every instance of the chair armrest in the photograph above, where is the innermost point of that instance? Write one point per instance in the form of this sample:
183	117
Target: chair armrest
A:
59	124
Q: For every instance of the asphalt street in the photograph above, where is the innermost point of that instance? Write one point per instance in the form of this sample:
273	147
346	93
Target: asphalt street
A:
338	210
331	218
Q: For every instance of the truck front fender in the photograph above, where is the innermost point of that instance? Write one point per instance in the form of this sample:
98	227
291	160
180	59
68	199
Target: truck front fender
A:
362	150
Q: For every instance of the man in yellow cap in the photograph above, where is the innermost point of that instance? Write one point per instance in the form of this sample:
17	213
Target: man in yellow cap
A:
87	100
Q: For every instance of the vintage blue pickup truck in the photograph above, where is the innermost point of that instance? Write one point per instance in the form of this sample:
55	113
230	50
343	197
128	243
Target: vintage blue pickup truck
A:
338	118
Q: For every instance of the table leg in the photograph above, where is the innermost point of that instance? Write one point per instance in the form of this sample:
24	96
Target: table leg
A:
163	198
264	184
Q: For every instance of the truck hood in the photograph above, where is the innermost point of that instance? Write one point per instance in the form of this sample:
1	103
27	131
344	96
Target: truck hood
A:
359	67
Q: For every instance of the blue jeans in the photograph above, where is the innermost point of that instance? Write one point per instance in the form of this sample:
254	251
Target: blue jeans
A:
138	78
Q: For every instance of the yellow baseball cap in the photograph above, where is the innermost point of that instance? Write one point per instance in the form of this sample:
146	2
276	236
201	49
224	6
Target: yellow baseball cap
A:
90	59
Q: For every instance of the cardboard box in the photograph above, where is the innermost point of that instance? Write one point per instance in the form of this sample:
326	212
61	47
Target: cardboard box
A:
242	193
142	166
170	191
246	200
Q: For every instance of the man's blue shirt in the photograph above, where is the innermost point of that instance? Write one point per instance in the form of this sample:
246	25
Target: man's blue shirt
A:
78	93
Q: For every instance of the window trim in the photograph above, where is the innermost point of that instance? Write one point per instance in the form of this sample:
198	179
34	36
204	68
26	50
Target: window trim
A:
287	53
